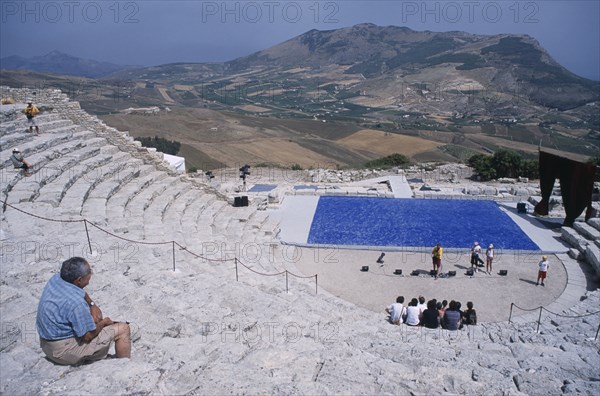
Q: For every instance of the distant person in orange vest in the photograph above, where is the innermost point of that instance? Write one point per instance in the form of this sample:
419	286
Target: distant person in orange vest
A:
31	111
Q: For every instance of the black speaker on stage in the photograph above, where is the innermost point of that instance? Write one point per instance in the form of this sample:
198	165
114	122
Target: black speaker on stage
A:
365	268
398	272
433	272
451	273
237	202
503	272
470	272
244	200
521	207
414	273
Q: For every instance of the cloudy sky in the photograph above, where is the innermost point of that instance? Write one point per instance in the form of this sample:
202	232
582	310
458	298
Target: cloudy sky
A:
148	32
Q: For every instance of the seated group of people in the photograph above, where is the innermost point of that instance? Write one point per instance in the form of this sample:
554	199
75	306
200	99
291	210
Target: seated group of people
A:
431	315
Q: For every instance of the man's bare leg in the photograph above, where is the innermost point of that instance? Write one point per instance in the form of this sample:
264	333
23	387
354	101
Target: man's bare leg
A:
122	340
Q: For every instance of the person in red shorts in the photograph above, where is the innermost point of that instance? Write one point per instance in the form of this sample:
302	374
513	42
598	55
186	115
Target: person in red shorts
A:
543	270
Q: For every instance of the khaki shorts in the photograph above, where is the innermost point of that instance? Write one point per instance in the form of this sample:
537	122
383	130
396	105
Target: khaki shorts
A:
72	351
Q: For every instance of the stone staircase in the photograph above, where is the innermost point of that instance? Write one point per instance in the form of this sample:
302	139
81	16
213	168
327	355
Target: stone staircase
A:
584	237
198	330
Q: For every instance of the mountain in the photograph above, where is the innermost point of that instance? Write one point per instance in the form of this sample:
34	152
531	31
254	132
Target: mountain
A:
504	63
60	63
467	93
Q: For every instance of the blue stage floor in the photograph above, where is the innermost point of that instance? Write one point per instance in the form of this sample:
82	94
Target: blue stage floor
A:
414	223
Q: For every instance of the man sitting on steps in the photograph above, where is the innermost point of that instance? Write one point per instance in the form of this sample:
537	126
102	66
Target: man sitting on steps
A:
71	328
19	161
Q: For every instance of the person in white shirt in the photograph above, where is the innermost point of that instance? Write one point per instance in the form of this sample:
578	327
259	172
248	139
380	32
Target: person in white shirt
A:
543	270
475	252
396	311
489	258
413	314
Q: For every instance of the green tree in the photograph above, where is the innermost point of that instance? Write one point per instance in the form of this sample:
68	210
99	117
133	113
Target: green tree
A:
506	163
483	166
530	169
163	145
388	162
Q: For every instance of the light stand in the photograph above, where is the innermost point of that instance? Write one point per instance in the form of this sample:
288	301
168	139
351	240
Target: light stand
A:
244	172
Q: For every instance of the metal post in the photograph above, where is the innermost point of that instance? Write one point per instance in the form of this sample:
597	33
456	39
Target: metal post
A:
510	314
539	320
287	290
88	235
595	338
236	270
316	284
173	242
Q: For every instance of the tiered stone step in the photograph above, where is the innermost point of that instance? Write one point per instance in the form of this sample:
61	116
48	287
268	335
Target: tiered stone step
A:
95	206
207	229
20	124
119	215
86	160
32	146
174	213
190	218
585	239
50	164
229	220
154	227
137	205
73	198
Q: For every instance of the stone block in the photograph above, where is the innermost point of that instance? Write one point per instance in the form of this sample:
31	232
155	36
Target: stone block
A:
594	222
575	254
534	199
573	238
592	256
586	230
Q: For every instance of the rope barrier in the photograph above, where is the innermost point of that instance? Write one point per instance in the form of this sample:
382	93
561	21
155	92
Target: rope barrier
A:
41	217
524	309
128	240
541	308
571	317
202	257
172	243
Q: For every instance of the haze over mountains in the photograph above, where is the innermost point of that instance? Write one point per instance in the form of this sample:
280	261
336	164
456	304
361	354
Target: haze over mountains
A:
466	92
60	63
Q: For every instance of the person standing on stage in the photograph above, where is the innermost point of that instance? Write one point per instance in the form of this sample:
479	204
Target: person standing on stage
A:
489	258
543	270
436	257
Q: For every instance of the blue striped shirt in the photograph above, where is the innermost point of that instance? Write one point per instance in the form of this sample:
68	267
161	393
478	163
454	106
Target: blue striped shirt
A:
62	311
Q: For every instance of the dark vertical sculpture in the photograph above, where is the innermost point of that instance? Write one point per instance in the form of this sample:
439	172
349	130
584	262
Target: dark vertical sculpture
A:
576	185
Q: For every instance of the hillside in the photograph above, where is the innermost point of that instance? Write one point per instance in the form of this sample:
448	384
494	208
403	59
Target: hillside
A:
516	65
464	93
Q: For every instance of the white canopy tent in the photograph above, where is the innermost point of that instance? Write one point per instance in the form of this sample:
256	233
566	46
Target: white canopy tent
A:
175	161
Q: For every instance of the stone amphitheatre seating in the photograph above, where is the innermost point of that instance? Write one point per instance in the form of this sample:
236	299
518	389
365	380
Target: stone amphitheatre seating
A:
198	331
